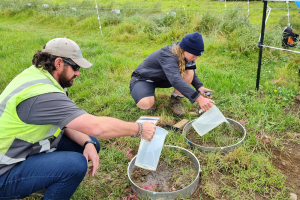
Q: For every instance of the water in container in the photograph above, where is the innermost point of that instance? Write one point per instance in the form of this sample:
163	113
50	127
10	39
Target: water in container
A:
149	152
209	120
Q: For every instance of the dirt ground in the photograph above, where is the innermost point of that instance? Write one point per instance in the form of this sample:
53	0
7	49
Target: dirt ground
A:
288	162
169	176
288	159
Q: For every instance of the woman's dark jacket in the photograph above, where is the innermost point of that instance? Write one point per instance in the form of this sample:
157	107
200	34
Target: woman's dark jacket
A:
162	65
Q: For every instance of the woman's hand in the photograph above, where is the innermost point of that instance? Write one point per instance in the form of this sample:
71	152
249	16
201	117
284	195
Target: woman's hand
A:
203	90
204	103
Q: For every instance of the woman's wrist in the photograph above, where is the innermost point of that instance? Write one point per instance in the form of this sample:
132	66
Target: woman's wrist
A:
200	98
199	89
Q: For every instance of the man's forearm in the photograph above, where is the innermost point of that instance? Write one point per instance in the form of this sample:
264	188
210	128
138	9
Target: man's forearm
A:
76	136
103	127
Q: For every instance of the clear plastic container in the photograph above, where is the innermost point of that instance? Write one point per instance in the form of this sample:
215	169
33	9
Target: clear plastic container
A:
149	152
209	120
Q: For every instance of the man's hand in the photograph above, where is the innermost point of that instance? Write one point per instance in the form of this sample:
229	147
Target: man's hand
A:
90	154
148	130
204	103
203	90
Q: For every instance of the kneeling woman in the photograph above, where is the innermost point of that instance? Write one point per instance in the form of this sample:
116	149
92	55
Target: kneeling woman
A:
171	66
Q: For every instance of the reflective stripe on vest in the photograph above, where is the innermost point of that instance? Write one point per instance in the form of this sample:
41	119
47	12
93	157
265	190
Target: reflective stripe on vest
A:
5	160
19	89
44	147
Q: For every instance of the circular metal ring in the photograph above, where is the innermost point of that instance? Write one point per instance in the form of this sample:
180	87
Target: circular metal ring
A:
185	192
225	149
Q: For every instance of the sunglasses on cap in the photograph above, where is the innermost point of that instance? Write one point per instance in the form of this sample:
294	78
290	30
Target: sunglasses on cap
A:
74	66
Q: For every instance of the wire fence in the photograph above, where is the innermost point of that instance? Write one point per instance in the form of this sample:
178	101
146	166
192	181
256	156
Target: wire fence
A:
106	12
99	8
144	5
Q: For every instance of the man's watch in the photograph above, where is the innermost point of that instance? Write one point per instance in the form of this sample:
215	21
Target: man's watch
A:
90	141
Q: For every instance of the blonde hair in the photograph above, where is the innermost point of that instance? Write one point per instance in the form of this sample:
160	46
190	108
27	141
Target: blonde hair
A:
178	51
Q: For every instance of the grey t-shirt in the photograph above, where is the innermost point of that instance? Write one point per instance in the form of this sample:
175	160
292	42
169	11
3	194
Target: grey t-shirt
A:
50	108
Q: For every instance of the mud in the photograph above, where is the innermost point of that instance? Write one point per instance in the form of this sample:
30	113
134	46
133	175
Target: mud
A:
174	172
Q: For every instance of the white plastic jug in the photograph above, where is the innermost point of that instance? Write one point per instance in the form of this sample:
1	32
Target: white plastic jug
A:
209	120
149	152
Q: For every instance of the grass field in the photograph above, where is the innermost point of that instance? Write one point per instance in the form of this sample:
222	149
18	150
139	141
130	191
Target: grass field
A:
257	169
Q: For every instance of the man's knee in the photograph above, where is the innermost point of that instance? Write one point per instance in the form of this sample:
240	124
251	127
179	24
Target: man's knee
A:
75	165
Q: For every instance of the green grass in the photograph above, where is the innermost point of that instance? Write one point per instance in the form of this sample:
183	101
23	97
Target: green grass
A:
228	66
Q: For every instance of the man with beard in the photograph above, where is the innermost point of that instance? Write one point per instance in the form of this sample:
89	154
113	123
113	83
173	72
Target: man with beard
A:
46	140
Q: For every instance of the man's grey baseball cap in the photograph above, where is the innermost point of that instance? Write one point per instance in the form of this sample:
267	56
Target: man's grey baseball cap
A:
64	47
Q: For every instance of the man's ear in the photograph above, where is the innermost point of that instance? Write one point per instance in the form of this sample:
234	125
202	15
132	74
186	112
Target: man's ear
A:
58	62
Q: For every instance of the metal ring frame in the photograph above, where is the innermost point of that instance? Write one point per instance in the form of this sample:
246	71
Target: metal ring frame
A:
236	125
185	192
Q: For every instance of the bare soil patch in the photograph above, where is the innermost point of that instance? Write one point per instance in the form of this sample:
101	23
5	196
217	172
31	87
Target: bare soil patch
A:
174	172
295	107
288	162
